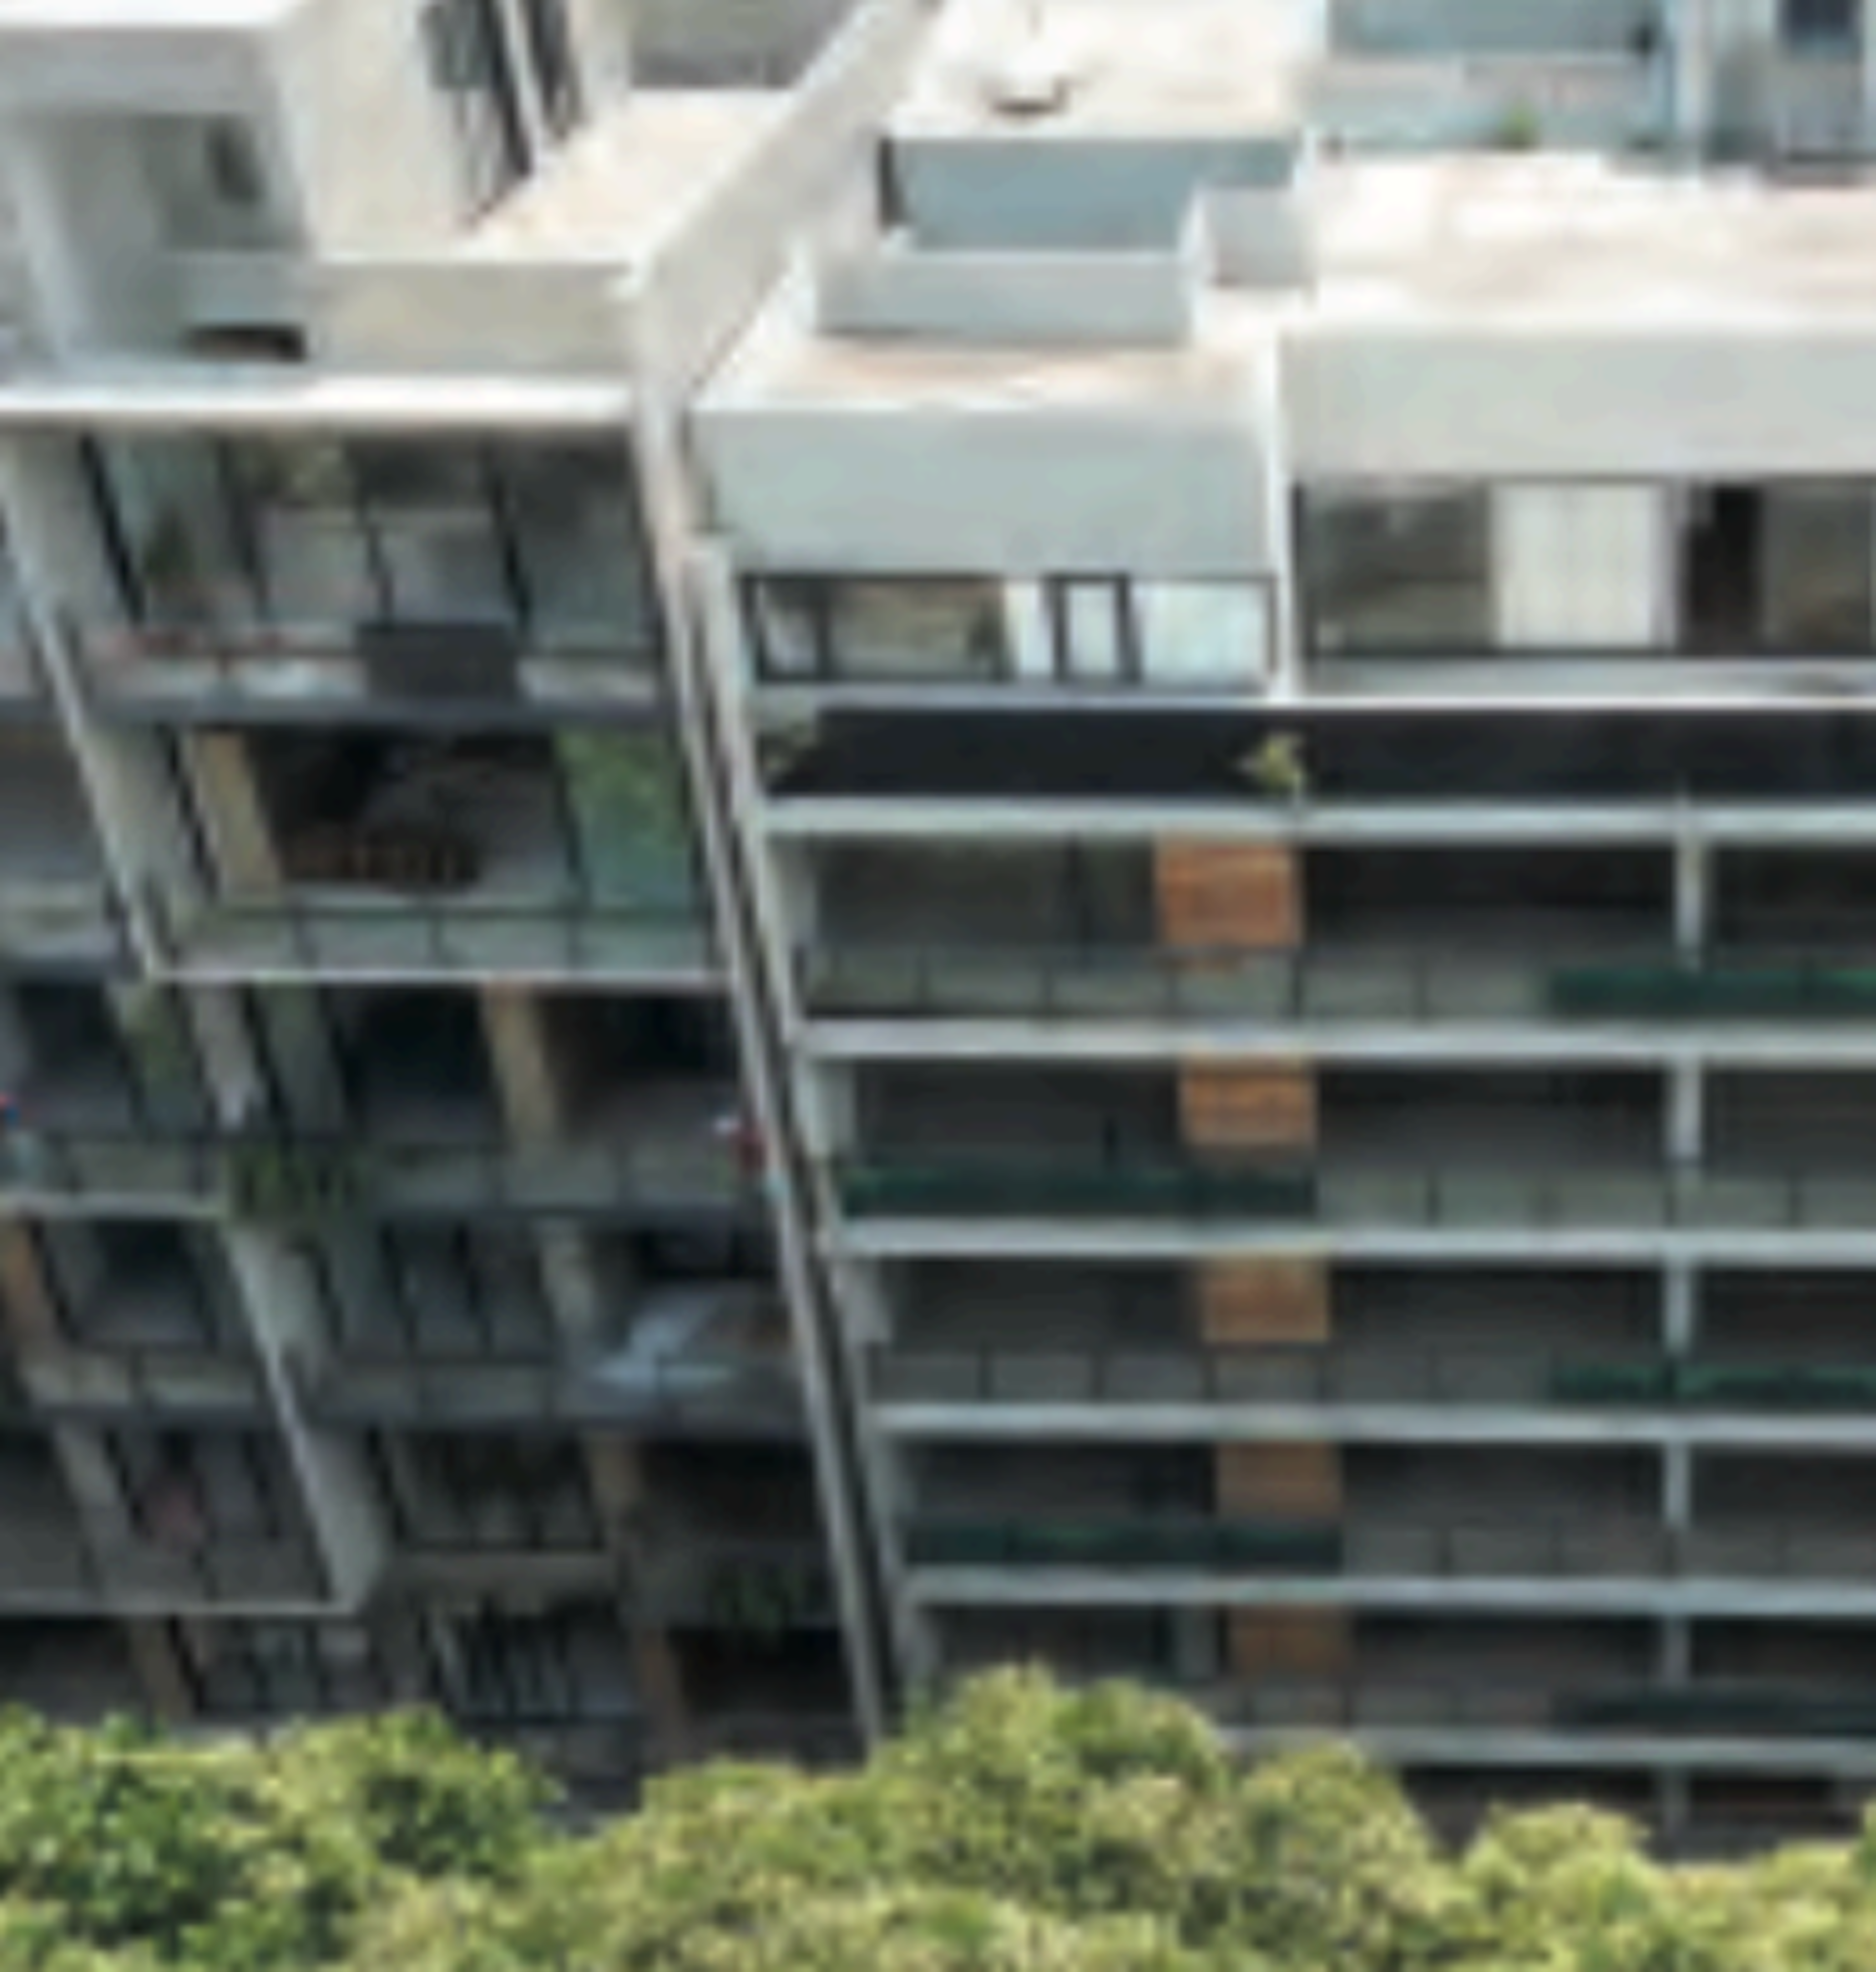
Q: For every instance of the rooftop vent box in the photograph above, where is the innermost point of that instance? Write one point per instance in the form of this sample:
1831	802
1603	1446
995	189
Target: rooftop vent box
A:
442	660
1033	75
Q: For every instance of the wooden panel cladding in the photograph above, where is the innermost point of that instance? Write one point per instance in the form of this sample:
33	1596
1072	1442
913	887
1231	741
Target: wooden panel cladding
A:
1230	895
28	1310
1289	1643
1264	1303
1278	1480
1271	1107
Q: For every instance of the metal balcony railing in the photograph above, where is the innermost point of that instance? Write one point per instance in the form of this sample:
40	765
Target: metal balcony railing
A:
1460	980
298	1184
51	1566
1162	1542
1380	1375
1351	1196
1359	1547
176	1385
1565	1705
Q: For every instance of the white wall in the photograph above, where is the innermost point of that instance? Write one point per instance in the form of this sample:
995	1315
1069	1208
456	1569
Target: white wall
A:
1032	488
1625	401
368	137
1582	567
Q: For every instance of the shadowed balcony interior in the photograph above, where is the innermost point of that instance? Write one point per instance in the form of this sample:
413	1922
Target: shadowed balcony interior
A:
1765	752
1483	1119
1769	1318
142	1284
1039	898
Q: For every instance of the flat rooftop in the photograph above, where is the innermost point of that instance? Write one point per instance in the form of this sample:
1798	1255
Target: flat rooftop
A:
1536	235
629	177
155	16
1144	68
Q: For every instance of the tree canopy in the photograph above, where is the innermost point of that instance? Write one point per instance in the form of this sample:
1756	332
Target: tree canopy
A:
1023	1827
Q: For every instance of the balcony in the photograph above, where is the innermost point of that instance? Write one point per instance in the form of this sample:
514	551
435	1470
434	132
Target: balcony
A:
1386	1555
385	854
56	909
267	577
692	1363
1399	763
67	1384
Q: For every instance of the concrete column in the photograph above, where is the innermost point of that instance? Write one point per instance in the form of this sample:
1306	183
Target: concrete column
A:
220	768
830	1107
91	1480
236	1089
1680	1309
861	1295
798	892
31	1310
340	1501
1693	885
521	1054
622	1491
160	1670
1673	1803
1687	1107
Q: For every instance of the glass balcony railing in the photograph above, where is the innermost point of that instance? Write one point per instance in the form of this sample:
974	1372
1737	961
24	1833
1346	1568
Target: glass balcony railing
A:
302	1182
1069	1187
1612	1710
1284	1546
1363	1197
1459	980
404	934
1615	1546
177	1386
1331	1375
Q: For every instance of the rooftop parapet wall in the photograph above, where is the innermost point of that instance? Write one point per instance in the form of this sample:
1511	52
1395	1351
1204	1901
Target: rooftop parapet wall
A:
1133	299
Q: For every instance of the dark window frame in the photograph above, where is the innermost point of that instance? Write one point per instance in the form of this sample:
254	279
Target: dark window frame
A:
472	68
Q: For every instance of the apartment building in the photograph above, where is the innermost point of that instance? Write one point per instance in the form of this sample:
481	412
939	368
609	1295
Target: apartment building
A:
1292	610
396	1301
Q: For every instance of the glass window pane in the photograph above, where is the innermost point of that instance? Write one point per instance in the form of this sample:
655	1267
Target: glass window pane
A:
307	536
210	188
632	814
1396	569
428	509
578	537
172	512
1095	651
918	630
557	73
1201	634
1818	591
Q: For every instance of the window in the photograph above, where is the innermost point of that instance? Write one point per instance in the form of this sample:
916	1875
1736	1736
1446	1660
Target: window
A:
184	1488
563	1665
1102	631
431	519
1816	592
1201	634
447	1294
556	64
579	543
1822	26
1394	571
917	628
455	1491
468	64
210	185
262	1670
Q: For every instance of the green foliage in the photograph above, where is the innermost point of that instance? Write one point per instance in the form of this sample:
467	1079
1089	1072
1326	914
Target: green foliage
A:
1023	1827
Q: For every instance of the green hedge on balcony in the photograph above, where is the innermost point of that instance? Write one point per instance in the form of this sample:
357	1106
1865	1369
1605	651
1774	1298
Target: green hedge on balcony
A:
1778	1386
1768	1709
1667	992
